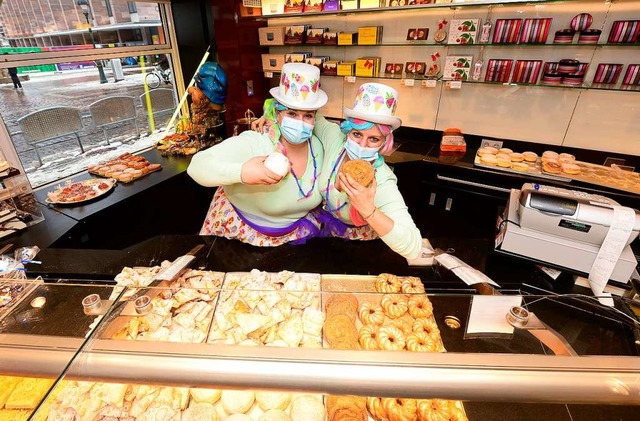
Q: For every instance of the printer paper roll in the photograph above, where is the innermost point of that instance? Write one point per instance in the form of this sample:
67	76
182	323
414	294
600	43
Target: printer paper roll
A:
610	251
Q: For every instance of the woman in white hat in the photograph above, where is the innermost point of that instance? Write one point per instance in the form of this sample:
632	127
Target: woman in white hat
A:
256	202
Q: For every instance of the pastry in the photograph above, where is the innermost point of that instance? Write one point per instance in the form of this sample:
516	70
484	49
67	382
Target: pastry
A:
427	326
566	157
307	408
421	342
519	166
571	168
278	163
239	417
516	157
347	408
487	150
394	305
360	170
439	410
530	156
552	167
345	344
504	161
205	395
346	304
273	400
505	151
399	409
411	285
420	306
549	155
14	415
274	415
7	384
368	336
404	324
377	411
237	401
370	313
386	282
391	338
489	159
200	411
340	328
312	321
27	393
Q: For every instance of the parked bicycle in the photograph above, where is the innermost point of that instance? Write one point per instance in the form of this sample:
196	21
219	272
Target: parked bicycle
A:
155	77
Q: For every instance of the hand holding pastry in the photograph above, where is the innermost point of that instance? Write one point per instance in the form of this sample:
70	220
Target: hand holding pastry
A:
360	197
255	172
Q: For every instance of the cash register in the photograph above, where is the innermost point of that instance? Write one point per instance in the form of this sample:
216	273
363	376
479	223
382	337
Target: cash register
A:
564	228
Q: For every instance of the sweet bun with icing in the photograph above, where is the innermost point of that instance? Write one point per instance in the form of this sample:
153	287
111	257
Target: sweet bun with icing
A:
360	170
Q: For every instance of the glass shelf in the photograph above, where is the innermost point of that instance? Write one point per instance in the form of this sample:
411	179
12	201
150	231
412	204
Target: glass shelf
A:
420	78
432	44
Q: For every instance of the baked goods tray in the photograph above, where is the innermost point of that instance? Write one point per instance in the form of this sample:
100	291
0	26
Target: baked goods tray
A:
535	169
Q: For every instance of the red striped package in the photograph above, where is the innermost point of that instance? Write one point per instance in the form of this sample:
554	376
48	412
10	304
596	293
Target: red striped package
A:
498	70
507	31
582	69
535	31
527	71
624	31
632	76
551	67
607	73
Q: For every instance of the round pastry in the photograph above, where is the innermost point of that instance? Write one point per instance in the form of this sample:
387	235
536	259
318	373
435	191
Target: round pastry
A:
516	157
506	156
420	306
506	151
571	168
340	328
274	415
278	163
546	155
404	324
412	285
487	150
273	400
342	304
504	162
394	305
370	313
489	159
530	156
427	326
200	411
307	408
237	401
347	408
566	157
368	338
519	166
387	282
421	342
399	409
345	344
360	170
374	405
239	417
205	395
552	167
391	338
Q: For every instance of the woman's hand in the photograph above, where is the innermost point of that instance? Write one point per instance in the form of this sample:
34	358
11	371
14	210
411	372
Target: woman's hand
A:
260	125
360	197
255	172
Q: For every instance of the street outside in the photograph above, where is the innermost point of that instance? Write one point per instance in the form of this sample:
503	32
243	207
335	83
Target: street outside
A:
77	88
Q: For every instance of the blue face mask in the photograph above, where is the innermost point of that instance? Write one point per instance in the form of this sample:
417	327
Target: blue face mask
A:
295	131
355	151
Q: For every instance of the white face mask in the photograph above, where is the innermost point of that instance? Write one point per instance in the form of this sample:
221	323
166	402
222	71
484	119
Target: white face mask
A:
355	151
295	131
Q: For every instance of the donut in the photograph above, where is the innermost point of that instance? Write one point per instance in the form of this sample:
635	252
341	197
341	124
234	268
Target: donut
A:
411	285
552	167
546	155
368	337
348	408
370	313
387	282
340	328
391	339
427	326
519	166
346	304
394	305
421	342
439	410
399	409
237	401
570	168
420	306
405	326
516	157
360	170
530	156
374	405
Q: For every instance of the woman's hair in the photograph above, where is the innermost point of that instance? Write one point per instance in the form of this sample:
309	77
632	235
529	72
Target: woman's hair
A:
356	124
269	111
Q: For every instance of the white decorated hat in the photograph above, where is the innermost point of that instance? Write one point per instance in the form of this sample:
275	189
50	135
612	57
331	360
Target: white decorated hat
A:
300	87
376	103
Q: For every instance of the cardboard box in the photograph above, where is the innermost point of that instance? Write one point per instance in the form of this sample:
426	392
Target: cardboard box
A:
371	4
330	67
317	61
457	68
463	31
346	68
417	34
294	6
331	5
271	35
369	35
314	35
272	62
415	67
295	34
349	4
347	38
313	6
296	57
273	7
367	66
330	38
393	68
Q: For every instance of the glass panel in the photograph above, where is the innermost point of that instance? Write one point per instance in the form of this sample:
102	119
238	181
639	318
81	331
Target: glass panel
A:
72	114
78	24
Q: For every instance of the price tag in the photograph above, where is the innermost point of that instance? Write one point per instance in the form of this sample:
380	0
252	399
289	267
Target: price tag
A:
268	74
407	82
350	79
454	84
429	83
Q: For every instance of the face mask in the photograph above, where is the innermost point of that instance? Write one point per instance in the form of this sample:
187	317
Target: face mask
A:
355	151
295	131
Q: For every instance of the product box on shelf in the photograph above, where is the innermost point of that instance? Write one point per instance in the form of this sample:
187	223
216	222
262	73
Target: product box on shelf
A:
607	73
413	68
346	68
317	61
463	31
393	68
347	38
632	75
295	34
330	38
457	67
330	67
331	5
370	4
535	31
313	6
507	31
527	71
272	62
297	57
273	7
367	66
624	31
294	6
349	4
315	35
417	34
369	35
271	35
498	70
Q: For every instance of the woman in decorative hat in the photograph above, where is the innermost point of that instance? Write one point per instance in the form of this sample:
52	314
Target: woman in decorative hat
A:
253	203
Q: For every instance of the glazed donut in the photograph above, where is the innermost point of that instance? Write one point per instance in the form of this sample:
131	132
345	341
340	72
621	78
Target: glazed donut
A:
387	282
399	409
395	305
427	326
420	306
421	342
412	285
370	314
368	338
439	410
405	325
391	339
374	405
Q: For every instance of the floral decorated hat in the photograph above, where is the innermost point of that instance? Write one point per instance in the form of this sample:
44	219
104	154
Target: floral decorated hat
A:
376	103
300	87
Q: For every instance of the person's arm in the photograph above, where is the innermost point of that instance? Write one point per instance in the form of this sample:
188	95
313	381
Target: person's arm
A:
328	133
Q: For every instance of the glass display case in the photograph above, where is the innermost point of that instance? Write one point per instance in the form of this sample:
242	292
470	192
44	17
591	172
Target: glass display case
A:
212	342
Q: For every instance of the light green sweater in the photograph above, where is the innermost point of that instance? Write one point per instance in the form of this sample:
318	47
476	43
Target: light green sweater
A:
404	238
277	205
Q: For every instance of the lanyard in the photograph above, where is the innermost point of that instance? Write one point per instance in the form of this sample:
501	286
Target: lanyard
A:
302	194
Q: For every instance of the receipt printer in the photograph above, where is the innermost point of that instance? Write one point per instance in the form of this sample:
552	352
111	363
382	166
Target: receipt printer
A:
565	228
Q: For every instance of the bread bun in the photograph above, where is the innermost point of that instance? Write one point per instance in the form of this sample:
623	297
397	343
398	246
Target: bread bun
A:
552	167
205	395
360	170
571	168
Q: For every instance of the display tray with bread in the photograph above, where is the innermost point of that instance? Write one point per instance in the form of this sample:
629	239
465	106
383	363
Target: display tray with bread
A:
125	168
